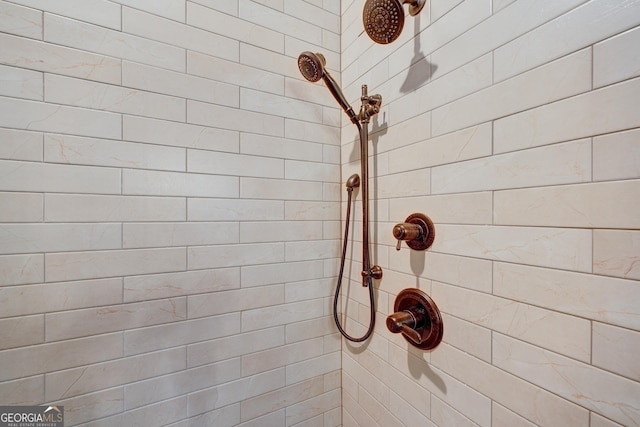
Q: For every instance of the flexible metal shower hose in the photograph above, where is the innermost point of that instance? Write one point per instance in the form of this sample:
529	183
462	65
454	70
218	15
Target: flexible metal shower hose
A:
339	284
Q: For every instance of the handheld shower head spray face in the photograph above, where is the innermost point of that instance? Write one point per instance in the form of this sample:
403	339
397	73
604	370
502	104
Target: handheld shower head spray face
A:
311	66
383	19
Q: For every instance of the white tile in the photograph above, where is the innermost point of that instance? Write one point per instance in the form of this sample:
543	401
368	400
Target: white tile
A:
155	183
21	145
229	7
39	56
468	337
466	80
60	296
616	253
311	171
28	238
281	398
83	36
178	84
103	152
98	405
597	205
21	83
571	76
234	346
262	145
281	314
466	144
233	73
262	102
96	264
268	274
21	207
235	28
568	249
168	8
142	129
90	207
178	234
100	12
21	21
152	286
595	389
234	300
39	116
614	350
562	333
259	188
111	318
521	17
312	132
211	162
287	23
138	341
234	210
31	331
557	164
234	119
180	383
40	177
520	396
21	269
616	156
232	256
100	96
280	356
240	390
605	299
578	28
502	417
445	208
612	61
601	111
280	231
28	361
302	10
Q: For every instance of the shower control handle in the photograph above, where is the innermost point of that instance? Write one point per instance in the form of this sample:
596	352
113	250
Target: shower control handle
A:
417	230
417	317
407	322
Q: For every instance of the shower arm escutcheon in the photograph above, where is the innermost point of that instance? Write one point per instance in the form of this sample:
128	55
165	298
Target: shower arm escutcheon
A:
417	230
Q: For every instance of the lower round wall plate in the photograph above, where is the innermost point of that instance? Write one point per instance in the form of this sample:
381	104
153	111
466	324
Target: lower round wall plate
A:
432	331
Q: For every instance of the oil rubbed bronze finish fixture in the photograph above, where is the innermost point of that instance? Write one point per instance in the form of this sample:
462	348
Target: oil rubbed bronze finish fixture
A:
312	67
417	317
417	230
383	19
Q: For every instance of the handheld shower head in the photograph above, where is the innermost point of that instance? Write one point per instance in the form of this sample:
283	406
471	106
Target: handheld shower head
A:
383	19
312	67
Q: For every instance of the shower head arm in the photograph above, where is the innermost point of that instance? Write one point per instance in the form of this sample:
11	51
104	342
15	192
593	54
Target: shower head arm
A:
339	96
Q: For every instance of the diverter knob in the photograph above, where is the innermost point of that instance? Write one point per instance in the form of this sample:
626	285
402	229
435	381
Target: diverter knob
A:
417	230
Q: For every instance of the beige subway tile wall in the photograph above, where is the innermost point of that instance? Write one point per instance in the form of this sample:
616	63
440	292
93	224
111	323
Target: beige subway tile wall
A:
171	196
513	124
169	191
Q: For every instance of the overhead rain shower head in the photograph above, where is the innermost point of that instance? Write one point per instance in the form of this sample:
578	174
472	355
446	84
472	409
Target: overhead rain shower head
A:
312	67
383	19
